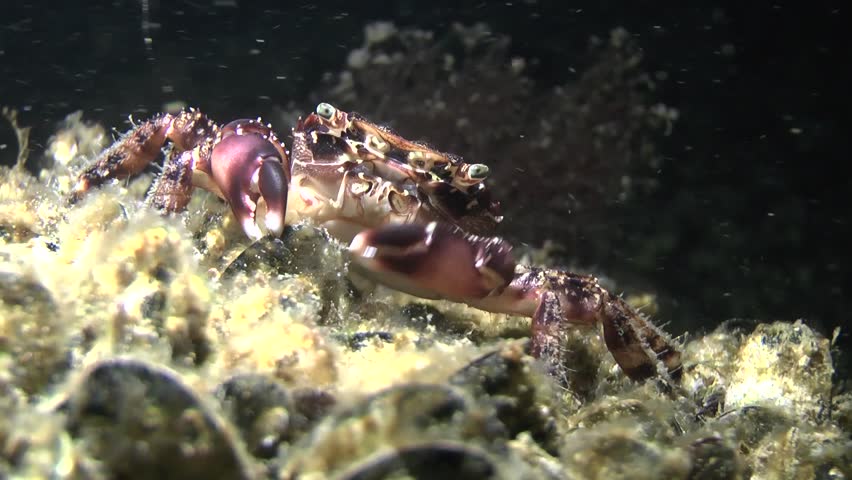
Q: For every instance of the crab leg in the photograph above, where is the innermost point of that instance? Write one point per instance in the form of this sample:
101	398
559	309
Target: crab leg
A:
140	146
562	298
438	261
173	188
242	162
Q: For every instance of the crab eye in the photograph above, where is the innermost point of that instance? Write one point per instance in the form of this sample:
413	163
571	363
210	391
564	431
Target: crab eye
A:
478	171
325	111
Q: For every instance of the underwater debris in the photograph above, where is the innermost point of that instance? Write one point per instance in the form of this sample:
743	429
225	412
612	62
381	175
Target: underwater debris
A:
22	135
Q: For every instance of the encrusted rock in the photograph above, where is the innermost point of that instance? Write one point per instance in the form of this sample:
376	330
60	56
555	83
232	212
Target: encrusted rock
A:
422	423
784	365
33	331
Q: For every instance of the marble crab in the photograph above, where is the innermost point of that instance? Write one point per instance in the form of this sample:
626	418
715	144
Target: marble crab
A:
416	219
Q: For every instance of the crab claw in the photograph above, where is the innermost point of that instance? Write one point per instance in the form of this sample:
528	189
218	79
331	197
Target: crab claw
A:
439	261
247	167
433	260
272	184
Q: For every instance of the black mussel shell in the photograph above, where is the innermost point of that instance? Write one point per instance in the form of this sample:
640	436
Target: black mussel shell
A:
301	250
142	421
430	461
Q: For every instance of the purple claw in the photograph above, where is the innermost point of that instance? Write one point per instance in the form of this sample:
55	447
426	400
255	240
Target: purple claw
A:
272	183
246	166
433	261
439	261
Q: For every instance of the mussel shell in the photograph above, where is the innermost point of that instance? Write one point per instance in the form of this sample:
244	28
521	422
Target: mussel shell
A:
267	413
429	461
301	250
411	404
304	251
141	420
402	429
712	459
32	327
505	380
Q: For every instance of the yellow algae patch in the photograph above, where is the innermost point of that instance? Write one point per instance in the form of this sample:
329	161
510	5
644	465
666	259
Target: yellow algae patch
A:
22	215
258	335
379	364
292	352
134	283
120	257
247	308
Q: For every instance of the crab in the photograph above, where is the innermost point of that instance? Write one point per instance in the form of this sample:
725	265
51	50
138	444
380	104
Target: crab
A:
416	219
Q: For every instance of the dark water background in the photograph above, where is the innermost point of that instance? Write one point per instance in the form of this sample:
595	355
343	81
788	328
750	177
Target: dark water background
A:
749	216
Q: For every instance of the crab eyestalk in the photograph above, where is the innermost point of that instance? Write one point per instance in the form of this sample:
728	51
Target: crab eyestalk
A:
248	166
470	174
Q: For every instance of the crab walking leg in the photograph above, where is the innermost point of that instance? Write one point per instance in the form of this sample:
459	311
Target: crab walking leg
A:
140	146
562	298
172	190
438	261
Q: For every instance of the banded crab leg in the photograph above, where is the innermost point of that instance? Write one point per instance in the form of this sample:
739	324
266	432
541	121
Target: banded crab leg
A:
241	162
440	261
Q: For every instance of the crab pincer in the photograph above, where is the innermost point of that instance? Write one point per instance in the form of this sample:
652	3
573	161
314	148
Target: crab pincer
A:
438	261
435	260
246	167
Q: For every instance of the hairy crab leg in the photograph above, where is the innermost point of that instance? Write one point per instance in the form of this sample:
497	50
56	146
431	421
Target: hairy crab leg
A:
641	349
439	261
172	190
141	145
242	162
